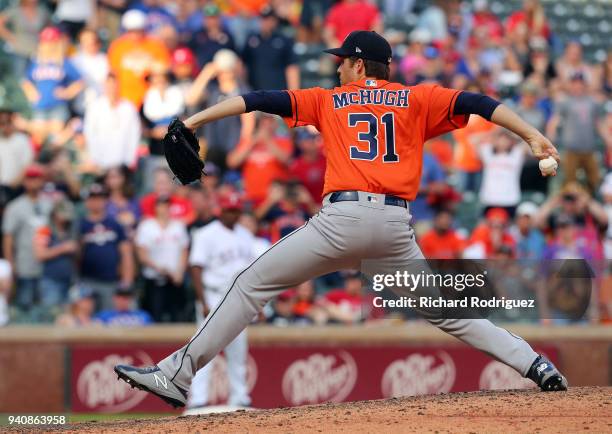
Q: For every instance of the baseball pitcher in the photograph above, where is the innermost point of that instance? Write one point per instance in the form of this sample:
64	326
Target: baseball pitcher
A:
373	132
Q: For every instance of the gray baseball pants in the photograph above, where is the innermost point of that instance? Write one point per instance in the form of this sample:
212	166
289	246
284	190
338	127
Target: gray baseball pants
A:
364	234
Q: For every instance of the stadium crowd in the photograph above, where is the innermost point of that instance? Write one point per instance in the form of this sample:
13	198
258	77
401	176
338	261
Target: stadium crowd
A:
95	230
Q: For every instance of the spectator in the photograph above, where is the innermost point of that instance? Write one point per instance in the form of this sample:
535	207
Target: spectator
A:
224	135
92	64
485	24
6	283
280	312
433	181
309	167
250	222
157	15
74	15
201	201
22	217
571	64
286	208
532	18
537	64
188	20
606	193
161	246
123	312
180	207
132	56
50	83
16	154
466	162
434	19
502	161
263	158
312	19
106	256
348	305
19	26
269	57
122	205
347	16
162	103
528	109
442	241
567	242
605	131
80	310
55	247
184	70
305	308
62	179
211	37
530	242
109	15
112	128
577	116
490	236
588	217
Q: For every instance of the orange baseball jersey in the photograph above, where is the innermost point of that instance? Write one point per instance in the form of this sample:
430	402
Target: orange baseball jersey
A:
374	130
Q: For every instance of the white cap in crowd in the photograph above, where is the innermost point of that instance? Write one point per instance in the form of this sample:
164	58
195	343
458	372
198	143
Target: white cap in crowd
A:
527	209
134	20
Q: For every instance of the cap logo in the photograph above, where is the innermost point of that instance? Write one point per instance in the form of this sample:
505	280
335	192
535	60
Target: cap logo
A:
357	50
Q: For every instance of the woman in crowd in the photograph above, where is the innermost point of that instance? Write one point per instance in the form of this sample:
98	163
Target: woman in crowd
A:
122	206
56	248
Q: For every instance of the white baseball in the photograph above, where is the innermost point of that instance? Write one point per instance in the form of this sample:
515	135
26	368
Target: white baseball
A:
548	165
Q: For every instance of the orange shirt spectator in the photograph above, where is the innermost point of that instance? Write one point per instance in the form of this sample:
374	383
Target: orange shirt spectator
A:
493	234
466	154
133	55
442	150
442	245
263	159
350	15
442	241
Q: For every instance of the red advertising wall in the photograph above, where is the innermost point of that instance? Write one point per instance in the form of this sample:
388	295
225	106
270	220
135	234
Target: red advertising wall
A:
280	376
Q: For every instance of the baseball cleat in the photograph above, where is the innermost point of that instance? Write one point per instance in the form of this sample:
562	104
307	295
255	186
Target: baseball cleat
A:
151	379
546	375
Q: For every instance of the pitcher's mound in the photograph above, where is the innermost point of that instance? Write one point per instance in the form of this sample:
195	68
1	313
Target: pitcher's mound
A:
524	411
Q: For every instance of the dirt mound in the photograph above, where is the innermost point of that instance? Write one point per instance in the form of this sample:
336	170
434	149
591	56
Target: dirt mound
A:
531	411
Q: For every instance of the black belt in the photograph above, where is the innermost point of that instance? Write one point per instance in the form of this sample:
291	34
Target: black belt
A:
352	196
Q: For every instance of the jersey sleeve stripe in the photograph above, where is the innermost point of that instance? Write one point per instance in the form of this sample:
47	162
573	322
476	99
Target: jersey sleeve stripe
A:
451	107
295	109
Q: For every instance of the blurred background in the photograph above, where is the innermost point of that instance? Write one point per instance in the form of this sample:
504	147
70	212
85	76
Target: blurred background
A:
87	89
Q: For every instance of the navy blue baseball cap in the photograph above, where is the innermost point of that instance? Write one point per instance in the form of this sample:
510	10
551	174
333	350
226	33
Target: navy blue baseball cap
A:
364	45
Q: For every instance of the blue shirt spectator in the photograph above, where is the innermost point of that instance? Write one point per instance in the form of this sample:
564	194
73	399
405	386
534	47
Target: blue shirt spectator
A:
47	77
100	255
123	314
432	174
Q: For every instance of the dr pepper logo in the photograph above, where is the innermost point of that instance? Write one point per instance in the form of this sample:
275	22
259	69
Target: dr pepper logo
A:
419	374
98	389
320	378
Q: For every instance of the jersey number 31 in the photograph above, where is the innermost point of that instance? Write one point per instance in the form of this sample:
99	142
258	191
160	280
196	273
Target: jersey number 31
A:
371	137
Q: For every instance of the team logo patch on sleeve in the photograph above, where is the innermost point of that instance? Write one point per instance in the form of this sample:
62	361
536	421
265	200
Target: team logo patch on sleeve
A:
371	83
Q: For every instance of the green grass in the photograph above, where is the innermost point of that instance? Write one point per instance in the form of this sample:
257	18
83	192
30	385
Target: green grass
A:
86	417
103	417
